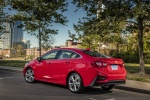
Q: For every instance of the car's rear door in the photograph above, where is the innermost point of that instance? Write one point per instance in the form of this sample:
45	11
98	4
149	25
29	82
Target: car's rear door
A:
63	65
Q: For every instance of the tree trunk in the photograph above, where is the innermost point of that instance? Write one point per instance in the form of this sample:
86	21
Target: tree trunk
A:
118	51
140	41
39	41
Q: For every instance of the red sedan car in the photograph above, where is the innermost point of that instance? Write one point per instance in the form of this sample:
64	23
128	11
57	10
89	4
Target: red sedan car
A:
76	68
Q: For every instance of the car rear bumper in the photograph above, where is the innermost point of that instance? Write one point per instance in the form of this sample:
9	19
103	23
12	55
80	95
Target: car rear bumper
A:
97	77
111	79
110	82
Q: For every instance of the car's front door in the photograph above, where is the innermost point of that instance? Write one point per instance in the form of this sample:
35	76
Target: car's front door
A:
44	66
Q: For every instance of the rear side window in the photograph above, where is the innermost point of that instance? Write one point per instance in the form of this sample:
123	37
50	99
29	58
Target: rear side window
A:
95	54
66	54
75	55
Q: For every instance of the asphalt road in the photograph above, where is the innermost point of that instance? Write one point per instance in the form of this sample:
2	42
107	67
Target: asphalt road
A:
14	87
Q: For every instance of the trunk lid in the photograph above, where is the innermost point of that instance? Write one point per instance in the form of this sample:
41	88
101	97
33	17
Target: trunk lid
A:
114	66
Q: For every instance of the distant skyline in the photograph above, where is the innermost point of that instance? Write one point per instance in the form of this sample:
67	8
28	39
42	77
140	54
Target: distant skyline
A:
62	35
13	34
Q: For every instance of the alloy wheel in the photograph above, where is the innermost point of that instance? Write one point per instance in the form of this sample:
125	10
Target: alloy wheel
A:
75	83
29	75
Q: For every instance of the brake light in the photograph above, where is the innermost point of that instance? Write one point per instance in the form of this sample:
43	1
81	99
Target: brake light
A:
123	65
98	64
104	64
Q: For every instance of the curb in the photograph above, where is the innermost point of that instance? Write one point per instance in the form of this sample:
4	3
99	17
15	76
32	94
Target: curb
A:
132	89
11	68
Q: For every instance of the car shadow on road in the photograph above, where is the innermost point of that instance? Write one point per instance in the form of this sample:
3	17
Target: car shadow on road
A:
95	91
87	90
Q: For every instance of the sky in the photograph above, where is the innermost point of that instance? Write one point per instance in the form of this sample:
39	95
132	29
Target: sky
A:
62	35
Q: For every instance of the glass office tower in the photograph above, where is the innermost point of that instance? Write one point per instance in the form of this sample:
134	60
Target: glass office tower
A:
13	34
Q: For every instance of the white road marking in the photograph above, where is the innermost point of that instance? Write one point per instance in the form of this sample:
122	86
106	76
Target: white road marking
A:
111	99
92	99
5	77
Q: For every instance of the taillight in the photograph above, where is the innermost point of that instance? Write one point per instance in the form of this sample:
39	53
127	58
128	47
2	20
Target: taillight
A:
123	64
98	64
104	64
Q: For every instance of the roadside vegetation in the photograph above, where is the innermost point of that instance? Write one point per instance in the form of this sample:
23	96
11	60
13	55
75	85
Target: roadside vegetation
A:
132	72
13	63
132	69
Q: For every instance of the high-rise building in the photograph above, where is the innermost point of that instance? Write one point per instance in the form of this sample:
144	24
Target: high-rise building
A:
13	34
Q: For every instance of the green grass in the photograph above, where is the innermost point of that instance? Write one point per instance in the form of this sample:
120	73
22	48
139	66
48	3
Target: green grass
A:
138	78
13	63
133	70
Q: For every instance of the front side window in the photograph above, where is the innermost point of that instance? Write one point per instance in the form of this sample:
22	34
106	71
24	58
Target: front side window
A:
50	55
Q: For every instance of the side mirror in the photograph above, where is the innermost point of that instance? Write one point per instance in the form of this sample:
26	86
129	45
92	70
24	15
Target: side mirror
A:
39	59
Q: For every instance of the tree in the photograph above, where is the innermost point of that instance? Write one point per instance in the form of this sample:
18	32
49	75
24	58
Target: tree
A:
17	51
90	41
47	42
129	11
2	16
86	41
40	15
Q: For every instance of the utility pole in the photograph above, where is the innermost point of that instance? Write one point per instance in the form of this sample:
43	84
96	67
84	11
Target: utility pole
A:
2	40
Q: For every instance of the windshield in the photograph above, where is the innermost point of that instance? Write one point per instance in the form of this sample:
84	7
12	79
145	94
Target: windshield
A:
95	54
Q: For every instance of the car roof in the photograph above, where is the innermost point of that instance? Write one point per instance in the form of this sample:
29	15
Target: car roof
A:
68	49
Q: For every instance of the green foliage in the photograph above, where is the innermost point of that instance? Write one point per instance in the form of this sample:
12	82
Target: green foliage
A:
47	42
133	69
116	15
128	57
2	16
13	63
18	51
90	41
30	57
40	15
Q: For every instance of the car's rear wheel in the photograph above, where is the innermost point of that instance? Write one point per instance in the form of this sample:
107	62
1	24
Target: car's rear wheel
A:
75	83
107	87
29	75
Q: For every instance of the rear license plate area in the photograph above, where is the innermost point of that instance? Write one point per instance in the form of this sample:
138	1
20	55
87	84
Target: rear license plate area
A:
114	67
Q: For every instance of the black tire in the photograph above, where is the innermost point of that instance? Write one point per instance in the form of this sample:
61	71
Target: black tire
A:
75	83
107	87
29	75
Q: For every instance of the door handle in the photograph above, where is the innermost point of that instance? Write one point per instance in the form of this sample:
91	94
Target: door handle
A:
67	62
48	63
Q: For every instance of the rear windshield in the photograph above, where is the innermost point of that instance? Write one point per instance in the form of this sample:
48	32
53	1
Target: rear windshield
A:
95	54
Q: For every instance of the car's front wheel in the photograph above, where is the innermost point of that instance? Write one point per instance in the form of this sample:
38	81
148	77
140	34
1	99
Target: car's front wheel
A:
75	83
29	75
107	87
